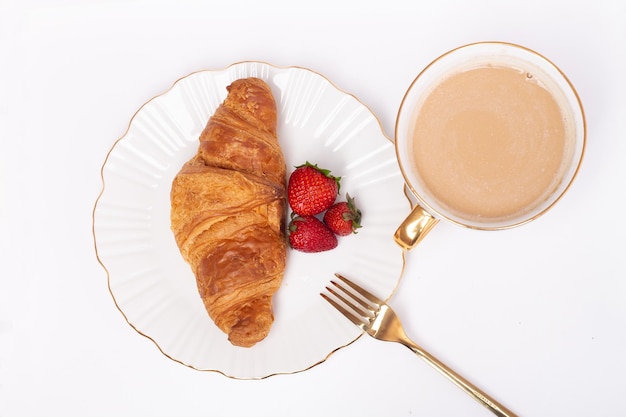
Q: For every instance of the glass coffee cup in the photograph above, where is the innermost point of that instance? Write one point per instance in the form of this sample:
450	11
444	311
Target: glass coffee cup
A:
489	136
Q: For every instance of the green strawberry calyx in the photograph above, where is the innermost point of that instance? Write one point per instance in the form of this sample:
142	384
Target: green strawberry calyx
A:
353	214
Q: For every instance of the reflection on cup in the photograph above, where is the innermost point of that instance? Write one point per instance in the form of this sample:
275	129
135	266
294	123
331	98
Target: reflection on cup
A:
489	136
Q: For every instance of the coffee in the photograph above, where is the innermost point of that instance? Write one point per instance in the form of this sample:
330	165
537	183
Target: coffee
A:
489	136
490	143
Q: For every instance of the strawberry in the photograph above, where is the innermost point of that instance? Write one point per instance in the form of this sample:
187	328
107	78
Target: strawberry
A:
311	190
309	234
343	218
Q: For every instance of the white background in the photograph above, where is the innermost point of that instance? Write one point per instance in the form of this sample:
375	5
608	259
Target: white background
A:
536	316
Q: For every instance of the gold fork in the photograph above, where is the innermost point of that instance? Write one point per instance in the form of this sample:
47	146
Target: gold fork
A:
376	318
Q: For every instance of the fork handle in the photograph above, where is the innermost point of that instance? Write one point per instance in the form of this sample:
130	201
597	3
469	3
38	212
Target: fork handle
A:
494	406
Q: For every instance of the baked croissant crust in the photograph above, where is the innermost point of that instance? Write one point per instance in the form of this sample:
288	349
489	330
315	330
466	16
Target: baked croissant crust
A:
227	212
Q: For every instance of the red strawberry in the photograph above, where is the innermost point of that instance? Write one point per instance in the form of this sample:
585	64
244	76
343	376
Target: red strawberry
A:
311	190
343	218
309	234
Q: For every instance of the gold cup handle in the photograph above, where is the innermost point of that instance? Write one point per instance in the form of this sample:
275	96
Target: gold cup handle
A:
414	228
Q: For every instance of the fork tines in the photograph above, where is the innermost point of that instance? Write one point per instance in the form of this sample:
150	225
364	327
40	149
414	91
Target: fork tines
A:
353	299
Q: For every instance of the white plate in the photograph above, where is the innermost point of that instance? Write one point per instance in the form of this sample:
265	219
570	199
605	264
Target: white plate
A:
154	288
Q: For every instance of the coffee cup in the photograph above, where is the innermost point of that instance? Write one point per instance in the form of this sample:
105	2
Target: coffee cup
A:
489	136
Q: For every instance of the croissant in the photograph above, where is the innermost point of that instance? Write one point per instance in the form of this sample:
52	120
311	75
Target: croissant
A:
228	205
